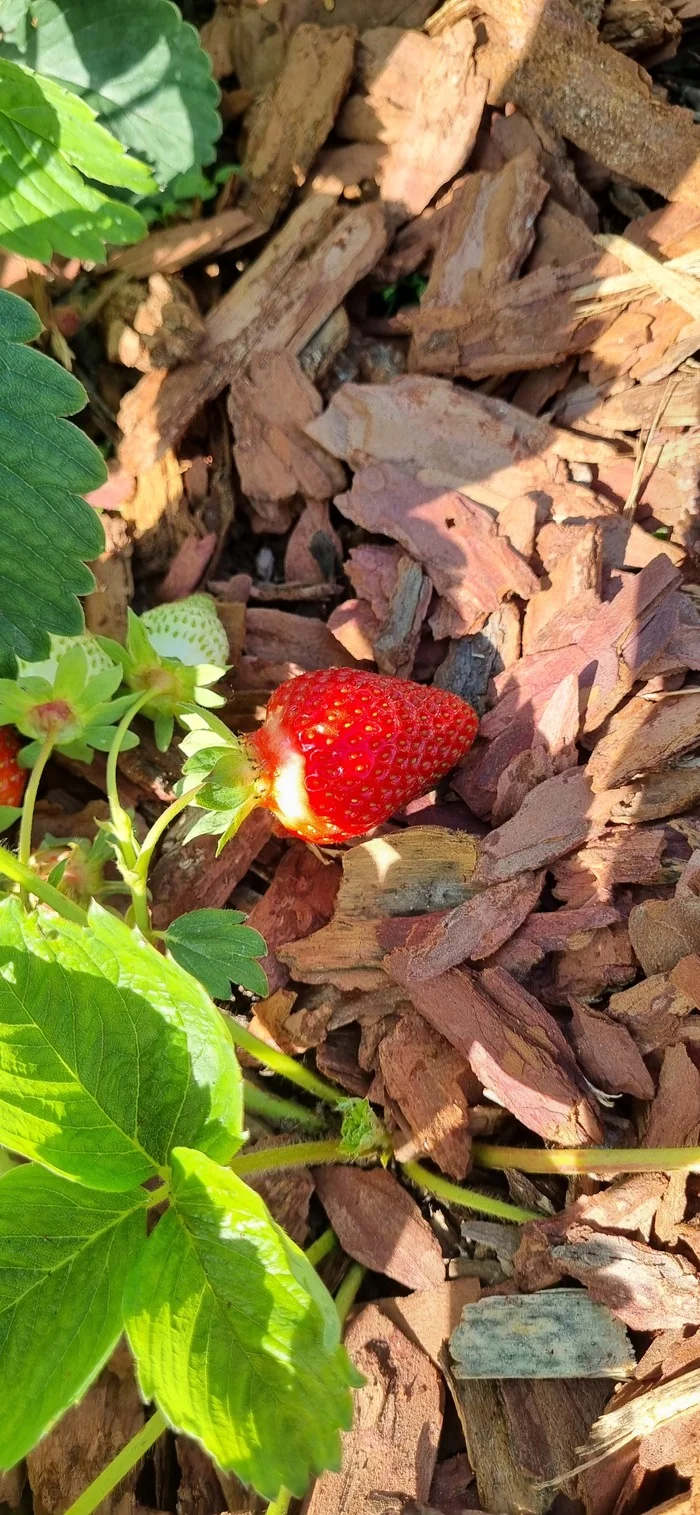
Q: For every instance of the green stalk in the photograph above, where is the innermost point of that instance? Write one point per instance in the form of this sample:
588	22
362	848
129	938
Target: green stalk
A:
296	1155
321	1247
347	1292
152	837
279	1111
11	867
280	1505
287	1067
25	830
120	1465
589	1159
468	1199
120	819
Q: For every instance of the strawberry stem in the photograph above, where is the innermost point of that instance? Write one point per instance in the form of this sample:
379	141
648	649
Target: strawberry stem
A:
572	1160
120	1465
467	1199
279	1111
25	830
287	1067
296	1155
320	1248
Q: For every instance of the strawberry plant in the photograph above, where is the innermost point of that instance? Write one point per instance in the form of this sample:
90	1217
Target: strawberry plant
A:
119	1082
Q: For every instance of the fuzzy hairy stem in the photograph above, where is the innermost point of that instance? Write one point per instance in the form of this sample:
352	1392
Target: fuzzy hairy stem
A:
120	1465
25	830
296	1155
468	1199
571	1160
287	1067
280	1112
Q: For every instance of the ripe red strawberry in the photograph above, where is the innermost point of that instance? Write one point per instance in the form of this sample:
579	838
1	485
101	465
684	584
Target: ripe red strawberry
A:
340	751
12	777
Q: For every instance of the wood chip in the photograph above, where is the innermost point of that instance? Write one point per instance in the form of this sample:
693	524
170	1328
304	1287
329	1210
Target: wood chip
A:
474	929
428	1317
288	126
552	63
664	931
648	1290
607	1053
646	734
512	1045
85	1440
674	1116
453	537
379	1224
427	1078
397	1422
412	872
269	405
278	636
280	301
559	1334
172	248
487	233
617	857
300	898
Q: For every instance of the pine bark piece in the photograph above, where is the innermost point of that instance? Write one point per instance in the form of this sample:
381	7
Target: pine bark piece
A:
685	977
300	898
397	1422
488	233
474	929
429	1316
560	1333
664	931
427	1078
454	538
515	1048
152	326
348	952
606	961
607	656
552	63
555	818
287	1193
634	408
651	1010
172	248
574	568
532	323
192	877
281	300
620	857
413	872
106	607
645	735
429	132
443	435
269	406
648	1290
276	636
379	1224
290	125
554	931
656	796
674	1117
607	1053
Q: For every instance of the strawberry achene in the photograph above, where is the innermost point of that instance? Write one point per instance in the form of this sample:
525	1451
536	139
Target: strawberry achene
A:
12	778
341	751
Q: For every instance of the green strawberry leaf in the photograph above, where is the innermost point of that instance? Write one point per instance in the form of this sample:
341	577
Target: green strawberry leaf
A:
218	950
49	139
137	63
110	1054
47	531
235	1336
65	1253
8	815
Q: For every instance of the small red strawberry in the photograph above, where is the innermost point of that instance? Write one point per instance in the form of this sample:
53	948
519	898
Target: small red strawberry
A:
12	777
340	751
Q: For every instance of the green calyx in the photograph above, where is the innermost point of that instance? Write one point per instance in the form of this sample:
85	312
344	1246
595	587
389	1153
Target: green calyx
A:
65	700
174	653
222	774
75	866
